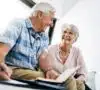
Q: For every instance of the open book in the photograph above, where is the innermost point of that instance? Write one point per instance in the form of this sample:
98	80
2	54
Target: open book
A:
62	77
57	84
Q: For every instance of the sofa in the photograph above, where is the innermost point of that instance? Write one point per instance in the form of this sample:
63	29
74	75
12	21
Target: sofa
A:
91	80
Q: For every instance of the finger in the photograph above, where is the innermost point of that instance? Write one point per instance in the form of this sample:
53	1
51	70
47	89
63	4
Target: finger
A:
3	67
7	70
47	75
3	70
53	76
3	76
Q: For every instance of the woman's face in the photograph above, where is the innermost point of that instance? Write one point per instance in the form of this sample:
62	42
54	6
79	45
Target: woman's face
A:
68	36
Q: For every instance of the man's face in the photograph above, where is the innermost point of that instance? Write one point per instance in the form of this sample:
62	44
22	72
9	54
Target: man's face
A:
47	20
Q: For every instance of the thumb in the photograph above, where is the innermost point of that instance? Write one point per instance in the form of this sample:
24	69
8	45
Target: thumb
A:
47	75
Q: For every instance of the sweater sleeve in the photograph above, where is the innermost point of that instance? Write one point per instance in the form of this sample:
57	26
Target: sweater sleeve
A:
44	62
82	72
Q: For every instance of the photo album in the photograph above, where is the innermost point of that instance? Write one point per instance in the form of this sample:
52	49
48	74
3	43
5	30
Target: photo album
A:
62	77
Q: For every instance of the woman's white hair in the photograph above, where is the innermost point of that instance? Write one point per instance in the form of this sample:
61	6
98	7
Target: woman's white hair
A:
71	27
43	7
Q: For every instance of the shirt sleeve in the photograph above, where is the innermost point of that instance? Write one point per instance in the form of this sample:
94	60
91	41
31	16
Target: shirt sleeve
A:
82	72
11	34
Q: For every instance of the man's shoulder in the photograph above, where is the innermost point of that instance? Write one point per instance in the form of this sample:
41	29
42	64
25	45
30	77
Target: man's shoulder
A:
17	22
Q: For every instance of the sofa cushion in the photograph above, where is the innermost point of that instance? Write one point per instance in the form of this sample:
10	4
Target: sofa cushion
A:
91	80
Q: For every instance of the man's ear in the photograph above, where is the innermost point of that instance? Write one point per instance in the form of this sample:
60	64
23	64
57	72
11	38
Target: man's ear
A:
39	14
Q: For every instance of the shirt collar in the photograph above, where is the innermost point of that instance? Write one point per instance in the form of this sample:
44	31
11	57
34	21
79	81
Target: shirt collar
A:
37	34
28	23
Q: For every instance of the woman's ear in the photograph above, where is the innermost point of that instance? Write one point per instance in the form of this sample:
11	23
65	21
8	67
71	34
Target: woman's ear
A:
74	39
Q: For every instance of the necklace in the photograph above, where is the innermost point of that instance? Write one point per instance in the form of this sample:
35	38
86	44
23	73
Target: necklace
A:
63	55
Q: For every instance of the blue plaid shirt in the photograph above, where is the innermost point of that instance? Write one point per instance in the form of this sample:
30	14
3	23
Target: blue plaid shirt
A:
25	44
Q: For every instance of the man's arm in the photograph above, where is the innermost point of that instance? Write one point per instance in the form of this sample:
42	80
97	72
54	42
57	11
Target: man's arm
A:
3	51
7	40
5	72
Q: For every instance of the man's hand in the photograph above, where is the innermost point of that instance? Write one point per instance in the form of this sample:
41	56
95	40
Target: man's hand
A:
51	74
5	72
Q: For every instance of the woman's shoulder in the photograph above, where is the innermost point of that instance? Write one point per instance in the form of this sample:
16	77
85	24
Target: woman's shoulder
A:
76	49
53	47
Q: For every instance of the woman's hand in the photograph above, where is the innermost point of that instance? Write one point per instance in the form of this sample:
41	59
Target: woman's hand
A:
52	74
5	72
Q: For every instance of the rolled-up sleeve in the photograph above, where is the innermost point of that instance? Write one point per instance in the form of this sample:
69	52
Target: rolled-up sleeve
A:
11	34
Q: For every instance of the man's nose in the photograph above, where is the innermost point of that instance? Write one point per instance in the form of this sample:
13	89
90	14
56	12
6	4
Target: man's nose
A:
51	25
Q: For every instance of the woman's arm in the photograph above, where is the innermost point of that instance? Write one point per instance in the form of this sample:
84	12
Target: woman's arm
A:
46	65
82	72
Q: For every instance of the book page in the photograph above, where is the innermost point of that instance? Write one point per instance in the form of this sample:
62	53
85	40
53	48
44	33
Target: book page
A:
47	80
66	74
62	77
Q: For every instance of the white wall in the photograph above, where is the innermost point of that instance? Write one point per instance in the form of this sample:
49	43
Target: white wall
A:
67	5
86	15
10	9
58	4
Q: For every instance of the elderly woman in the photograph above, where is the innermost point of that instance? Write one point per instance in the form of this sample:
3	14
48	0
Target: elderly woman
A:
57	58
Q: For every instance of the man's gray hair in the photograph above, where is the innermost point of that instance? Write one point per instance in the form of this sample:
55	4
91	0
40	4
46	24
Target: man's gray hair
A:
43	7
72	27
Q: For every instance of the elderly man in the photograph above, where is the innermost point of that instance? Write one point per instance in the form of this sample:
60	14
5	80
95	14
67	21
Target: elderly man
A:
24	40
